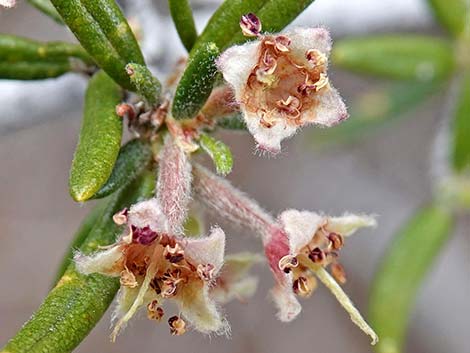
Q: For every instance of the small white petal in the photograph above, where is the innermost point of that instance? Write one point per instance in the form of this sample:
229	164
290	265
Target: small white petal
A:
148	213
199	310
303	39
349	223
286	302
329	110
268	139
207	250
236	64
108	262
300	227
7	3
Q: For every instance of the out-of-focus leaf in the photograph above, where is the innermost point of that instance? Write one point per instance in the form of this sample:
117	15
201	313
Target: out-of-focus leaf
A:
461	127
25	59
146	84
100	138
376	108
404	266
183	18
132	160
79	237
197	82
77	302
46	7
232	122
223	28
411	57
219	152
193	226
103	31
451	14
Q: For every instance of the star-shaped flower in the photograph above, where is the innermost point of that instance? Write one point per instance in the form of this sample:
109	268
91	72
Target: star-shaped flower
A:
300	249
280	82
154	265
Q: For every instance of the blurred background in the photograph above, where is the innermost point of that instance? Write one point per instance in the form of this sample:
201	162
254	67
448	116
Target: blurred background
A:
386	172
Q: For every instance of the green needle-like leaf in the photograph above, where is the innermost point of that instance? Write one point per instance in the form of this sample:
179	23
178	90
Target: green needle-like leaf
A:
219	152
232	122
183	18
374	109
103	31
461	127
146	84
79	238
197	82
132	160
25	59
402	271
452	14
410	57
77	302
46	7
100	138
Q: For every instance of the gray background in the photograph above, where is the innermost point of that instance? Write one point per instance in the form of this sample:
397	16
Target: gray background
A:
386	173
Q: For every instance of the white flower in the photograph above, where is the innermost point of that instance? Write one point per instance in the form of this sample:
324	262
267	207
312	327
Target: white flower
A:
303	245
280	82
154	265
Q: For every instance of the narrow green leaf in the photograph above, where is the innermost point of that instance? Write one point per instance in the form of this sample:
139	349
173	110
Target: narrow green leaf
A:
376	108
77	302
219	152
197	82
402	271
46	7
183	18
232	122
103	31
79	238
451	14
25	59
461	127
132	160
147	85
100	138
410	57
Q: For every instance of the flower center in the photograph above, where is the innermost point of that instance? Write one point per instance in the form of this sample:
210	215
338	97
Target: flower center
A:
284	82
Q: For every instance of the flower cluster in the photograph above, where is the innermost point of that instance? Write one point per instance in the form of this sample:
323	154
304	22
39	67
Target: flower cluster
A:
280	83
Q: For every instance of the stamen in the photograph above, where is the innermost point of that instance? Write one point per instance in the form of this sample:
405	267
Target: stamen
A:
338	273
127	279
322	82
120	217
250	25
317	255
154	311
143	236
286	263
173	254
205	272
304	286
316	57
177	325
336	241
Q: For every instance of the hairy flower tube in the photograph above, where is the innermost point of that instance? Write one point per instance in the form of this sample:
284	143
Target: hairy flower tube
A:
154	266
299	245
280	82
